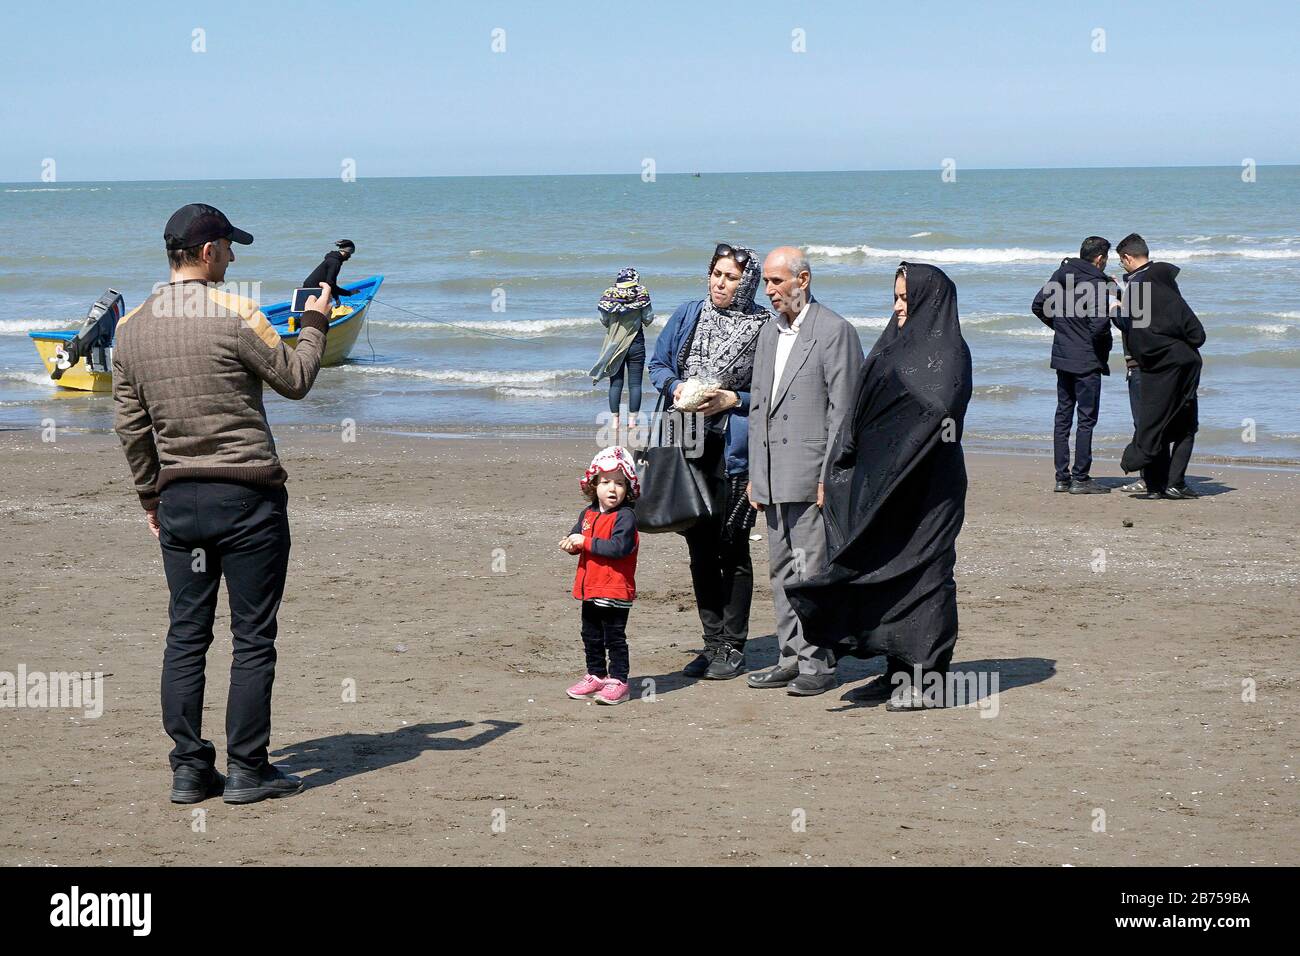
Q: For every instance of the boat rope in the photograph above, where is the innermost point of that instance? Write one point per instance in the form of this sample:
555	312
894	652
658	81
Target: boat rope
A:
463	328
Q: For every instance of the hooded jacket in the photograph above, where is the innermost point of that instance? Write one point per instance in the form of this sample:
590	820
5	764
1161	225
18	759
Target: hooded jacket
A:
1163	331
1164	337
1075	305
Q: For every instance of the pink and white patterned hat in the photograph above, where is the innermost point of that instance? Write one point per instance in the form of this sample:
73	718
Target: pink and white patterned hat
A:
613	458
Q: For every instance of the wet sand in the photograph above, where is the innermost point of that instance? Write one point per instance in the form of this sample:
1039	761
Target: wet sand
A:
425	571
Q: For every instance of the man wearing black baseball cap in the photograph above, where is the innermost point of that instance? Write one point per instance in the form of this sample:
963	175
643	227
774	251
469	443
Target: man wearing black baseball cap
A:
188	371
193	225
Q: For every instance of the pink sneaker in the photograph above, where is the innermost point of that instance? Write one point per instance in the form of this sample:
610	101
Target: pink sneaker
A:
614	692
586	688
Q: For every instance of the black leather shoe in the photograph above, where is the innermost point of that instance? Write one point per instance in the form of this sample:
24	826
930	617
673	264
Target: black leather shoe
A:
246	786
776	677
697	667
1180	492
728	662
810	685
1088	487
195	786
1062	486
875	691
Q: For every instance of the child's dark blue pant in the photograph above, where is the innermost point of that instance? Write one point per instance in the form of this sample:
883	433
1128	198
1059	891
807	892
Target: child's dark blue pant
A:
604	635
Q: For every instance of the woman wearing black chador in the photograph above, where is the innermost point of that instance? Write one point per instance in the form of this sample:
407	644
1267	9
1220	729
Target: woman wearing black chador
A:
896	498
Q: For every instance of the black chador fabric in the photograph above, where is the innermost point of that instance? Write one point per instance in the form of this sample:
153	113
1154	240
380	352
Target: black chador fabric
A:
1163	335
896	492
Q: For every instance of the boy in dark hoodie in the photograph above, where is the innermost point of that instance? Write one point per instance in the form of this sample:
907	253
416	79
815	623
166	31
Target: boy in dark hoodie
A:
1164	337
1075	305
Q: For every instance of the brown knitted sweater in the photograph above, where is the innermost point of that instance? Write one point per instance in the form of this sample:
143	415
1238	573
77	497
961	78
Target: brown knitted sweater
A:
188	368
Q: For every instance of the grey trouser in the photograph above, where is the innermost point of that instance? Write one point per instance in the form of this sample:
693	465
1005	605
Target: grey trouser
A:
796	543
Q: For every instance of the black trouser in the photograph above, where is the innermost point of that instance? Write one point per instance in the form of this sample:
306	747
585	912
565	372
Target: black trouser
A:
722	572
210	529
1134	392
1084	393
632	367
604	635
1169	467
722	575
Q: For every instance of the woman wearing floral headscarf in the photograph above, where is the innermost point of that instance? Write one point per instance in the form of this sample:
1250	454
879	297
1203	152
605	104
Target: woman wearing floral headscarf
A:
625	311
712	340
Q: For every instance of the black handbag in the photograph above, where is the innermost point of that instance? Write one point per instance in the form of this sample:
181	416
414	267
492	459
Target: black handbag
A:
675	494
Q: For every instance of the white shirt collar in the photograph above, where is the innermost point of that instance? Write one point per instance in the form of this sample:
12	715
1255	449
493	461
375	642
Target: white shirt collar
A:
792	328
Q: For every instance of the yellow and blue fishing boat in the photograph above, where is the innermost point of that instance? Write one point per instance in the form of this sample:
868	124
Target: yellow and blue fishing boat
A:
82	358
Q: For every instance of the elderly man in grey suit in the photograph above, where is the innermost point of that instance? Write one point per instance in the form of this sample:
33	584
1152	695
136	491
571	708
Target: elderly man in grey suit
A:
806	367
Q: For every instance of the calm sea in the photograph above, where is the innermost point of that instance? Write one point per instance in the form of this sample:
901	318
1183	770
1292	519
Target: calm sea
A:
499	277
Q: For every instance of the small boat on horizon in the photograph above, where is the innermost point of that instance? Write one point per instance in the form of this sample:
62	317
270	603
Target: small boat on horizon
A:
82	358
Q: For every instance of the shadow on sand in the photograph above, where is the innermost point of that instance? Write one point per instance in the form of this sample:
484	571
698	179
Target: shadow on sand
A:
760	652
1205	487
346	755
976	678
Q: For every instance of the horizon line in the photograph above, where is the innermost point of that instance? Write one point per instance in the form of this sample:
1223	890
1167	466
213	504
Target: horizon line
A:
700	173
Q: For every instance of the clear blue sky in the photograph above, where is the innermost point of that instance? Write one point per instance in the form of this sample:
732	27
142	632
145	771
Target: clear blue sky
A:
289	89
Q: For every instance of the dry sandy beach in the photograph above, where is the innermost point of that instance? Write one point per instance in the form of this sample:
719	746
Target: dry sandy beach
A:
426	571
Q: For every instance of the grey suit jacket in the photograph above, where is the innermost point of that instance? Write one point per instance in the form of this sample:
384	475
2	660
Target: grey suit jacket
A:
792	422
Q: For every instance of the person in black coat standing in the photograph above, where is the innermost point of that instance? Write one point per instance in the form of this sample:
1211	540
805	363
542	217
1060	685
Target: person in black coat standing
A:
1075	305
1165	337
328	270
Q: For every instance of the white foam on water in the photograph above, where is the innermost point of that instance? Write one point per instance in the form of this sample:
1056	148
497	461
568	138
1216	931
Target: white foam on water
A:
511	391
470	376
975	318
1283	315
920	235
1004	390
1039	333
984	318
23	326
517	326
993	255
31	378
61	189
950	256
1227	254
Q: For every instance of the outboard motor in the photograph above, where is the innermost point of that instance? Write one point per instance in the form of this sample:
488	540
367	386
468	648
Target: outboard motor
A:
94	340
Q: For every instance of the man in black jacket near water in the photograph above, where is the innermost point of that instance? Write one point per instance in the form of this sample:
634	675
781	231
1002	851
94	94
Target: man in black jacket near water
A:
1075	305
328	271
1164	336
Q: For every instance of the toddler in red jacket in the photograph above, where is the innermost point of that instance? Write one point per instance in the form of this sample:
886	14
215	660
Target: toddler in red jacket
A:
605	539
